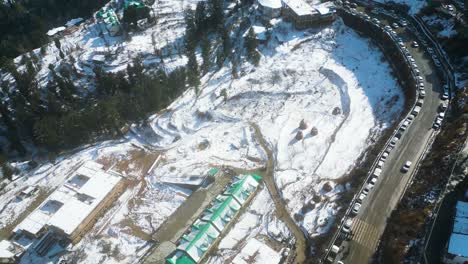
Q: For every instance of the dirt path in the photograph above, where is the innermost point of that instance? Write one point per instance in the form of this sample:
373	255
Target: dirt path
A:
282	213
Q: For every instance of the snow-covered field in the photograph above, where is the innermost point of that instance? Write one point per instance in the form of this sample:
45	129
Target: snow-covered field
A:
334	80
306	76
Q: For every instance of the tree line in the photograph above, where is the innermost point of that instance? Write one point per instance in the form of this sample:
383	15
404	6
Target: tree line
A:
23	23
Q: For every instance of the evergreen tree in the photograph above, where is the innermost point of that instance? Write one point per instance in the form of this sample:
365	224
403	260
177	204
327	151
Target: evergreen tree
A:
192	70
251	45
205	53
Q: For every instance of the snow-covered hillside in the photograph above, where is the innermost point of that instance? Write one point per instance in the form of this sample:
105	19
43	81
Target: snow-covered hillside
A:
330	77
302	76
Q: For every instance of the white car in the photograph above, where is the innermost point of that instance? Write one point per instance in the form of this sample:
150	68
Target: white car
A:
388	28
393	141
395	25
420	78
441	115
420	102
361	197
373	180
422	94
356	208
444	96
384	156
347	225
380	163
406	166
403	23
415	44
368	187
437	123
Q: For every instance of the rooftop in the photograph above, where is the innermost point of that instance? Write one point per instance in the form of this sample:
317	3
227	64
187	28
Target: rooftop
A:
300	7
72	202
459	237
270	3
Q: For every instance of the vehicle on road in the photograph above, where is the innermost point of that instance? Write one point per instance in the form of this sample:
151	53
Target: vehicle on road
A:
368	187
437	123
406	166
361	197
420	102
411	117
414	44
384	156
405	124
422	94
416	109
356	208
442	107
347	225
444	96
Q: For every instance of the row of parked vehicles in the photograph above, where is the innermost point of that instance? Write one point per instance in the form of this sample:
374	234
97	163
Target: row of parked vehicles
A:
390	30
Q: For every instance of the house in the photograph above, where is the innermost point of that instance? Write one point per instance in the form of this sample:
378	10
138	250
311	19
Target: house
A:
69	212
303	15
269	8
457	249
9	252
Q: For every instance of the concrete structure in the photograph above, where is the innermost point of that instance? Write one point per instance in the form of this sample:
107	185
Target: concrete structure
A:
204	233
303	15
269	8
457	248
70	211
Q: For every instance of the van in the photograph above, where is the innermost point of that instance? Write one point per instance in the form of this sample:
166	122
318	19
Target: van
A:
416	110
377	172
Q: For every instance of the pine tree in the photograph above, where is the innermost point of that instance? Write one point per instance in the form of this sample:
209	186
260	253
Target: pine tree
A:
205	53
192	70
251	45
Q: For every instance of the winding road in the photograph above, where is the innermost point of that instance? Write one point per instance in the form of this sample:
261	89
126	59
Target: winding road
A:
369	224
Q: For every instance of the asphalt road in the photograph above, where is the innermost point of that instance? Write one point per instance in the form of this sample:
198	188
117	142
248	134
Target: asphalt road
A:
369	224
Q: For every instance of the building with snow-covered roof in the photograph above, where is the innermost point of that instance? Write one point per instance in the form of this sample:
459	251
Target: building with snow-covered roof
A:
269	8
73	208
214	220
303	15
457	248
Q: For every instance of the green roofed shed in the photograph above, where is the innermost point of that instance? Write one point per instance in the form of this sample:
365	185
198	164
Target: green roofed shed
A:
222	212
243	187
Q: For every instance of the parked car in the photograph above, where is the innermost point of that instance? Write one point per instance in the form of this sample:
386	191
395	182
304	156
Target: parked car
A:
356	208
437	123
444	96
361	197
414	44
373	180
416	110
406	166
347	225
442	107
380	163
388	28
393	142
368	187
403	23
395	25
420	102
441	115
422	94
430	50
437	63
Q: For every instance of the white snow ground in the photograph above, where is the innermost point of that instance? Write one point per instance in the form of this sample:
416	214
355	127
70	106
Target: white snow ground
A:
302	75
333	67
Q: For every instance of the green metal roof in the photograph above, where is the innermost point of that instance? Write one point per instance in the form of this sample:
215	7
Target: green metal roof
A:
182	259
213	171
134	3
